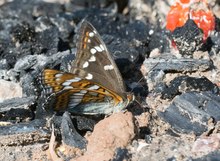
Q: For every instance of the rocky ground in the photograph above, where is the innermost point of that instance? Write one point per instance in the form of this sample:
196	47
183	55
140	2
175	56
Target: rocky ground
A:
177	112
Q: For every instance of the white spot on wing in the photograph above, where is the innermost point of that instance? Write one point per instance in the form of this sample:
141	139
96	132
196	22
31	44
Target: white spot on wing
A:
68	87
89	76
93	87
75	100
58	75
93	93
48	90
78	96
108	67
102	47
98	48
91	34
86	64
92	59
83	91
73	104
151	32
68	82
89	41
93	51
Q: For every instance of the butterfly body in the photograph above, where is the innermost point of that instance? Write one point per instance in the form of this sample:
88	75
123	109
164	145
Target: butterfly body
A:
94	84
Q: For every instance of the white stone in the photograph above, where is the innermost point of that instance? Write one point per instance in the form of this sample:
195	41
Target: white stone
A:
9	90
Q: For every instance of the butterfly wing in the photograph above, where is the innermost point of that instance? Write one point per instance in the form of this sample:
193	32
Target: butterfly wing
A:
66	90
94	84
93	57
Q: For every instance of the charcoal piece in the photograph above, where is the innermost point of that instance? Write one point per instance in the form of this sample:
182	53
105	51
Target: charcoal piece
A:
17	26
217	23
137	35
159	87
35	125
16	103
64	26
121	49
170	63
83	123
69	134
121	4
95	16
140	90
155	76
215	41
28	10
213	156
136	30
24	133
17	115
191	111
91	3
48	41
121	154
3	63
129	40
28	69
188	38
185	83
159	40
23	33
171	159
39	62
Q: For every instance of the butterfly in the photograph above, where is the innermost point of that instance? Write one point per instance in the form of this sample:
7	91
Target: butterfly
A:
94	84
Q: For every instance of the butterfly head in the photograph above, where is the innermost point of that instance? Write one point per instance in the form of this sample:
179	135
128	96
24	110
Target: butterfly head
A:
130	97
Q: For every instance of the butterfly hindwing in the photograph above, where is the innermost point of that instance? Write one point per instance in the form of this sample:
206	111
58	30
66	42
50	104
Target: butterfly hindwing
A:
66	90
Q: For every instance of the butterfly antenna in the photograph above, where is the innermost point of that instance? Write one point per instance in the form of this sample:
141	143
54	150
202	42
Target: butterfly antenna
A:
143	76
135	100
140	79
142	100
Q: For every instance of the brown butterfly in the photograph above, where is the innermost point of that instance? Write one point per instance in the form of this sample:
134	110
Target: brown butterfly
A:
94	84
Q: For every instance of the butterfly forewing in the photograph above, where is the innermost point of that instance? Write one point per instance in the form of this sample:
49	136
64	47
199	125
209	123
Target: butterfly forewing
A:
93	57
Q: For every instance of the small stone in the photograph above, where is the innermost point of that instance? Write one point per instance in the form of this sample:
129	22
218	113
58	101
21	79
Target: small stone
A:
9	90
207	143
114	132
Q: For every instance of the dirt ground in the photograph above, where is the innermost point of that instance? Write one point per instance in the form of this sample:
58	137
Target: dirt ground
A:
136	134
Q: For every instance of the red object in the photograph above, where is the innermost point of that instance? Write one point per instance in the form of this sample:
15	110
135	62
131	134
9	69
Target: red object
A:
197	10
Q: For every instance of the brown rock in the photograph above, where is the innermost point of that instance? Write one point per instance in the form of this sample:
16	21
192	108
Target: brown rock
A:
207	143
113	132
